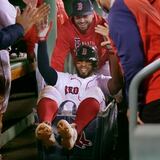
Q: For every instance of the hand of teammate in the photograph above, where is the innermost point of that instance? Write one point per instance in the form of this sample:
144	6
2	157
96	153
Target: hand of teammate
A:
104	31
32	15
32	2
139	121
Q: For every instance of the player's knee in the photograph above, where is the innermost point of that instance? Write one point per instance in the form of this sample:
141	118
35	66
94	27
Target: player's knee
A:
51	93
96	93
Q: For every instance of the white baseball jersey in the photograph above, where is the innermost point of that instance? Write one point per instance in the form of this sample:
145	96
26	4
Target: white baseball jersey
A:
7	17
73	88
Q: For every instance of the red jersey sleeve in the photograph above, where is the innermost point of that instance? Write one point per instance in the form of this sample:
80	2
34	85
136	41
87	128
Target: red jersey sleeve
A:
31	38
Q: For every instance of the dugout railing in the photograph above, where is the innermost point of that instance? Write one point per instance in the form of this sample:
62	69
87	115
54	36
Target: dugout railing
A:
144	139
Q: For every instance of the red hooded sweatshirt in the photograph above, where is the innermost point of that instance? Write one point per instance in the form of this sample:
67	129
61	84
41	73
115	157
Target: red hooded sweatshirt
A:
156	4
69	38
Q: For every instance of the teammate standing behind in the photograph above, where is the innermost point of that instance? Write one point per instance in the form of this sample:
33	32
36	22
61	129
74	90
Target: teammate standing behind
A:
84	89
79	29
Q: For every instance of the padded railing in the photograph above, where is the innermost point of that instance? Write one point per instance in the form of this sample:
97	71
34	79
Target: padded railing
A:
21	68
133	105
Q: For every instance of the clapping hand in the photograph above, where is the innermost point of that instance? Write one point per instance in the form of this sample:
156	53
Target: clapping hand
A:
32	15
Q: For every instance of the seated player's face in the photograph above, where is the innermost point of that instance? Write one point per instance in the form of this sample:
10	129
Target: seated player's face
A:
84	68
83	22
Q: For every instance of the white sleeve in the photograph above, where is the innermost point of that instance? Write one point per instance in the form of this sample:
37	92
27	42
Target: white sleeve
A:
62	79
7	15
103	84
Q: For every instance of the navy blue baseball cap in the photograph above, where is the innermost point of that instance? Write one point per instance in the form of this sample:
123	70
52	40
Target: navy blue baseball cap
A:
82	7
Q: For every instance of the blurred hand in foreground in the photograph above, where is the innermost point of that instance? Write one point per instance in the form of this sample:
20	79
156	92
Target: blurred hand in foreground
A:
32	15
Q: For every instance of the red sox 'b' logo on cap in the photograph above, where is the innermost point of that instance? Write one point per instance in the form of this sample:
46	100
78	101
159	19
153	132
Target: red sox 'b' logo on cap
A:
79	6
84	52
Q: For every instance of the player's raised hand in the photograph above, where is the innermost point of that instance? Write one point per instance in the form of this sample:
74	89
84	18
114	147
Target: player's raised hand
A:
32	15
104	31
43	28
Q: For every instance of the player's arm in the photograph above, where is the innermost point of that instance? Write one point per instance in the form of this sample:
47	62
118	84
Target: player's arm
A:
131	58
116	82
10	34
49	74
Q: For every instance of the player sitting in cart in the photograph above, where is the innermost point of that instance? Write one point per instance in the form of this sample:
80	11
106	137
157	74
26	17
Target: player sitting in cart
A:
86	89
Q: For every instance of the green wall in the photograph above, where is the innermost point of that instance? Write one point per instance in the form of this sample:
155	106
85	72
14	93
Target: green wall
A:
68	7
53	33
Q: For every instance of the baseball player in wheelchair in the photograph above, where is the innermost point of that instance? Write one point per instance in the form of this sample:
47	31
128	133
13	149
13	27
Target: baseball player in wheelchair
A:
88	91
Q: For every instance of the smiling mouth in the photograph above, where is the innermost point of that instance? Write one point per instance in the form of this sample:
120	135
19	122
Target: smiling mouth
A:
83	70
82	25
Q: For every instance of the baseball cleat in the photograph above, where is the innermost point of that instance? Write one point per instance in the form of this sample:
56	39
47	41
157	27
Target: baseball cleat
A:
44	133
68	134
